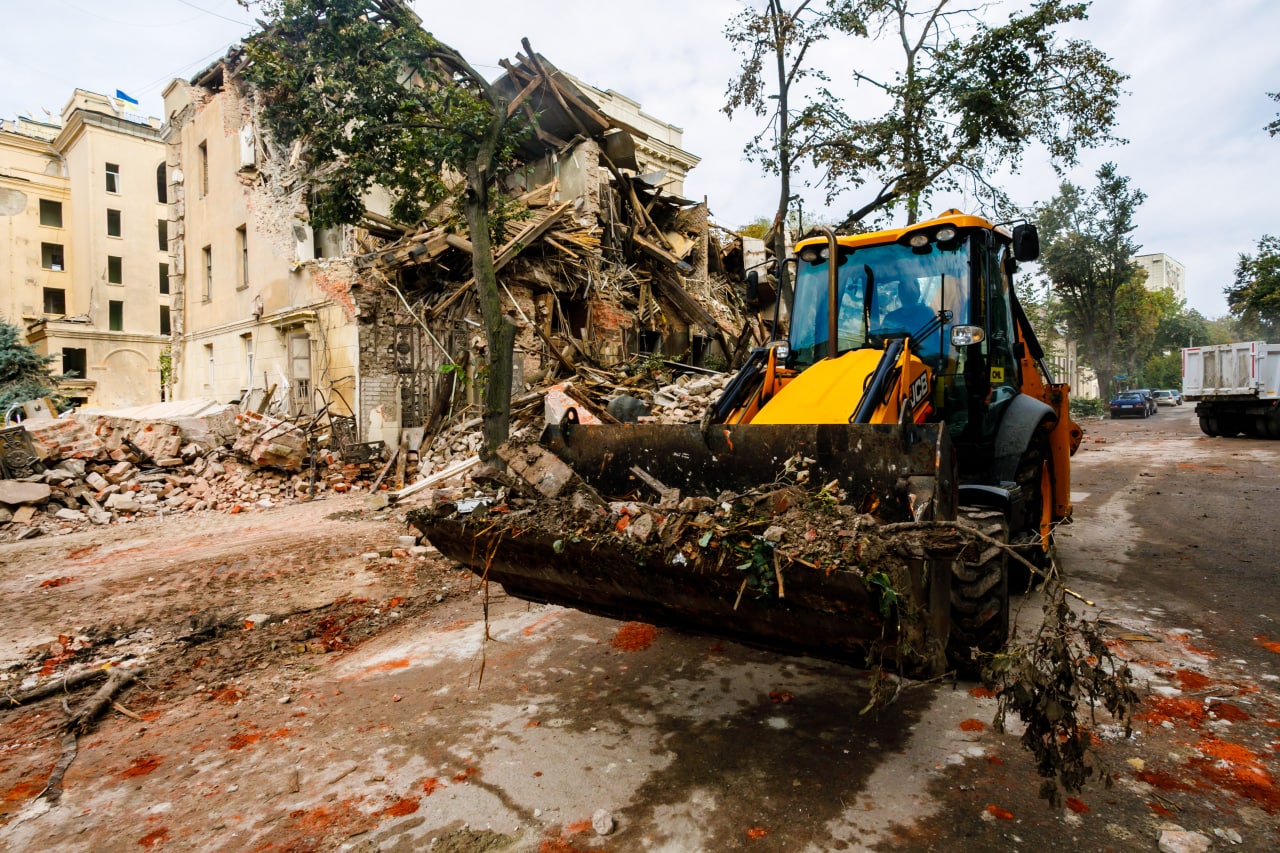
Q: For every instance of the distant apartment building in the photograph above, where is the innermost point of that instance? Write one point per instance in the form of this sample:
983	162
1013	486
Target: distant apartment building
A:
1163	272
83	214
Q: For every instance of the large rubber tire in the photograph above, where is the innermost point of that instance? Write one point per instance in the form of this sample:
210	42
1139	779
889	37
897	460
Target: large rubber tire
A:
979	593
1272	419
1035	539
1209	426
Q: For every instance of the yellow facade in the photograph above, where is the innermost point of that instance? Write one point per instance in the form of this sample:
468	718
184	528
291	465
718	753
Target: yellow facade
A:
254	310
83	213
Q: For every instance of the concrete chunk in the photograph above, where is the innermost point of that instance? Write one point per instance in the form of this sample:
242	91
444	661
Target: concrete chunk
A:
119	472
122	503
18	493
538	467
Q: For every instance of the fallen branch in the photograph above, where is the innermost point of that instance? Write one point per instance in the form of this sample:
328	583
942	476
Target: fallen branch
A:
56	685
81	723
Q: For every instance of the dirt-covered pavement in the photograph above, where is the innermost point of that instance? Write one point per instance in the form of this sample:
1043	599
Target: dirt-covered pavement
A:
308	683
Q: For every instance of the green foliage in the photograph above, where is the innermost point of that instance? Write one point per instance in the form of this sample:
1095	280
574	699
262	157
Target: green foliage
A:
1087	408
166	366
457	371
758	227
374	100
24	373
967	98
1086	252
880	585
1254	298
1162	371
1049	681
759	566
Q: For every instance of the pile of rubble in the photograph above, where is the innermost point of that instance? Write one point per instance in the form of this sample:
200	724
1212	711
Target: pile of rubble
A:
94	469
85	469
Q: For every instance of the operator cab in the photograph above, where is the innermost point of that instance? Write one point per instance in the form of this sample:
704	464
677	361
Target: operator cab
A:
944	285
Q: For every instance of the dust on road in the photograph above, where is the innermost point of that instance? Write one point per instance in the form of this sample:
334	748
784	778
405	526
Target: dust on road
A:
378	708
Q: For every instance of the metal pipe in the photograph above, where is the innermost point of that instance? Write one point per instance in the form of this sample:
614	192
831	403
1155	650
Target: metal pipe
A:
833	313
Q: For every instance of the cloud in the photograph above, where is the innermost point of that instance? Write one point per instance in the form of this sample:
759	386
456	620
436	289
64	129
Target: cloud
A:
1200	74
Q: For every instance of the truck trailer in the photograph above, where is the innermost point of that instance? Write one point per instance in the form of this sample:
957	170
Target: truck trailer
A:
1236	388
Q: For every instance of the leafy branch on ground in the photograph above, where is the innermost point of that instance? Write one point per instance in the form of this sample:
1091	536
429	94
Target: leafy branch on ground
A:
1051	682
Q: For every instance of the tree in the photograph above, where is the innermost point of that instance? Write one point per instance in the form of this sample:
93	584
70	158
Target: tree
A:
24	373
373	99
1273	127
967	99
1254	298
774	43
1087	255
758	227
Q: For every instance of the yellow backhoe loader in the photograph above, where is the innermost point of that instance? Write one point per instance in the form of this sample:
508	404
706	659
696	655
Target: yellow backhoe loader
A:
911	392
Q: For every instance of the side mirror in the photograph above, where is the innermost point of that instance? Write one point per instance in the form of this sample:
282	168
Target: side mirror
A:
1026	242
753	289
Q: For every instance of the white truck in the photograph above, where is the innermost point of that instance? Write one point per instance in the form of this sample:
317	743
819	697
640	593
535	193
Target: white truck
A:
1236	388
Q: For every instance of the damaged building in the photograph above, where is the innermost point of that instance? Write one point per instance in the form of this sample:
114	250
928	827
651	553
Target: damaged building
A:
378	324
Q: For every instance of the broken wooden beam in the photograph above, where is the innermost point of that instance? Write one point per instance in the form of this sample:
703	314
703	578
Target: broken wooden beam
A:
661	254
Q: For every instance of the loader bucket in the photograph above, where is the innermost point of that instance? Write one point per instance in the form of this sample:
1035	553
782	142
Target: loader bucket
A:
831	610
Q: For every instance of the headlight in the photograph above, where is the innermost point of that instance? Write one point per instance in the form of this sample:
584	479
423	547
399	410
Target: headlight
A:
917	241
809	254
963	336
782	352
945	234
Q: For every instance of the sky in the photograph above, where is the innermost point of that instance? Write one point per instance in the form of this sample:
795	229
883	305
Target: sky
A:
1193	115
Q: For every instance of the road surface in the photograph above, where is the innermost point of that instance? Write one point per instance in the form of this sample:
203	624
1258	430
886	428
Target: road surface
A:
370	712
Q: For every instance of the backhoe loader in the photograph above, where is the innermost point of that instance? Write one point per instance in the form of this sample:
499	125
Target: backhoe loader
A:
814	510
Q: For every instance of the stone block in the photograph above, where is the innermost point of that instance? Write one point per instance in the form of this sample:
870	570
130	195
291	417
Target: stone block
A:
119	472
122	503
18	493
538	467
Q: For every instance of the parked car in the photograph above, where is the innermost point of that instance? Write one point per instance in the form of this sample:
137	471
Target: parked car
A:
1152	405
1165	398
1177	396
1129	404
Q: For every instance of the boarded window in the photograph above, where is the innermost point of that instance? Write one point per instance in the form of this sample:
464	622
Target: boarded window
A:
113	178
50	213
75	362
115	315
115	270
55	300
113	223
